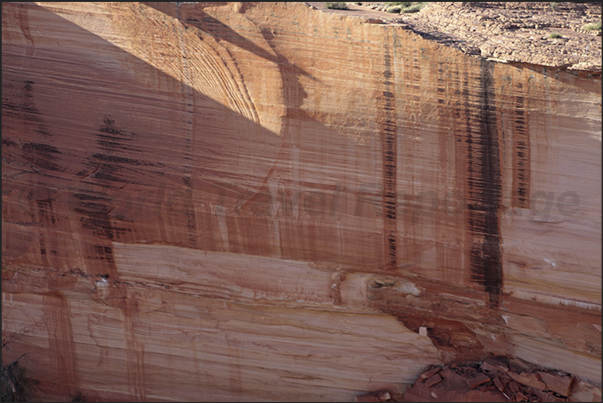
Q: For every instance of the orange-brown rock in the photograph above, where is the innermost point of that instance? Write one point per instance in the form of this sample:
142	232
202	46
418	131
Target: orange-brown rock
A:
498	384
262	201
492	365
477	380
433	380
467	382
383	395
548	397
367	397
430	373
528	379
454	388
558	384
585	392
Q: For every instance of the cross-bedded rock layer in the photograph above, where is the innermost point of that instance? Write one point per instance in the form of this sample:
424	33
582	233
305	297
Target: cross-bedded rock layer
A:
263	201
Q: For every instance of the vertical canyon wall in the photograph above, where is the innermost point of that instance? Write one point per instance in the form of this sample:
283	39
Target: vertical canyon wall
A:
239	201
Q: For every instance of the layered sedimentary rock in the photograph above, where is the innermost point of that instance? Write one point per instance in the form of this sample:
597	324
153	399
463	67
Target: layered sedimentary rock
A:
218	201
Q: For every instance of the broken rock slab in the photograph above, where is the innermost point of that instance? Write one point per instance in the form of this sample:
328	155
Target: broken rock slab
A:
477	380
527	379
499	379
433	380
557	384
379	396
548	397
366	398
383	395
428	374
452	388
499	385
491	364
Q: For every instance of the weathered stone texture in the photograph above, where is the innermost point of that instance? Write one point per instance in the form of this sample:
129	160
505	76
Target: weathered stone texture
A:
218	201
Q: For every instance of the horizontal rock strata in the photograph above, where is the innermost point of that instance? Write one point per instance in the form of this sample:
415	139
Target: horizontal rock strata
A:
241	201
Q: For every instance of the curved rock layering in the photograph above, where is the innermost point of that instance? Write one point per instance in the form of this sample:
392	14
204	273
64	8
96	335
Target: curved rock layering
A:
261	201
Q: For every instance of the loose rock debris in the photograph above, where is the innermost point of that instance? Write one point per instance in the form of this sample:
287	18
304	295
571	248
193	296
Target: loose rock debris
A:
495	379
543	33
379	396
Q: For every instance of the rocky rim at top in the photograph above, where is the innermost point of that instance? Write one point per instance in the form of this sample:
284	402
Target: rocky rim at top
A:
541	33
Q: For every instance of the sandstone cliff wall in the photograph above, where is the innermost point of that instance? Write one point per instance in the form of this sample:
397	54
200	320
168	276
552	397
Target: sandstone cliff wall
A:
243	201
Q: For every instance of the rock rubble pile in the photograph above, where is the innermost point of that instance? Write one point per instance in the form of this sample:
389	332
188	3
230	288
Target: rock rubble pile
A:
495	379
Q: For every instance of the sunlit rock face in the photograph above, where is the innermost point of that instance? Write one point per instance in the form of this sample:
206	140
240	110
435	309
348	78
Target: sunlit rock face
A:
218	201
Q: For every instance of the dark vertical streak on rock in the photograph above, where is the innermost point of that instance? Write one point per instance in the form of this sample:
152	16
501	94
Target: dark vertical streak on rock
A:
95	209
521	155
43	157
48	219
189	103
95	219
107	166
387	120
191	221
484	184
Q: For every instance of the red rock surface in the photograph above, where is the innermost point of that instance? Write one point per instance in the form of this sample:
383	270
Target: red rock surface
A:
240	201
467	383
454	388
557	384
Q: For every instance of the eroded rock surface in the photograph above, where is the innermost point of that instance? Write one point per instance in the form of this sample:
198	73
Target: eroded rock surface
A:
545	33
241	201
497	379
